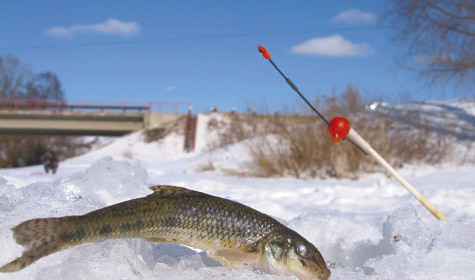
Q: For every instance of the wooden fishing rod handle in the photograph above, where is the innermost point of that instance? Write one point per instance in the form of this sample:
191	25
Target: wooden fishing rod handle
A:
357	139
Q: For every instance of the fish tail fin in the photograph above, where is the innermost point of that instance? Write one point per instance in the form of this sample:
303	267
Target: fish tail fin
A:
40	237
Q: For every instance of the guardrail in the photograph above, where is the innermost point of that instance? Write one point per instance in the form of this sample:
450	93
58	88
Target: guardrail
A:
94	105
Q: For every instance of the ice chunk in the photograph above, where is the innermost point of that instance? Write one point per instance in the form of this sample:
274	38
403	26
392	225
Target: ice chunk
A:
9	196
425	250
113	181
342	238
111	259
355	249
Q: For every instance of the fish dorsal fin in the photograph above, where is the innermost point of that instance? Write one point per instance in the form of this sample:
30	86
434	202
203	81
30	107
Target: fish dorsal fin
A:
168	191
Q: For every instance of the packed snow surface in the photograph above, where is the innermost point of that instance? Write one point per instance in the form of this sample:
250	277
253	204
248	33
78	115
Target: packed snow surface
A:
354	224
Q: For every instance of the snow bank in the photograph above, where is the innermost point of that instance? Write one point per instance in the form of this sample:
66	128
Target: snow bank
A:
424	250
355	245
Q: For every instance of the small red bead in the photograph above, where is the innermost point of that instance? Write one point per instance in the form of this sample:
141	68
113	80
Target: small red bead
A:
264	52
339	129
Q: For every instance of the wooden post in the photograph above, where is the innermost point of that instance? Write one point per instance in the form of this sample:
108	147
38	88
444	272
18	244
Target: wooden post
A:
187	128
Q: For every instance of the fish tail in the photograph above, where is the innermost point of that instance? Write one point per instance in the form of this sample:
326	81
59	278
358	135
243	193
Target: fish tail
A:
40	237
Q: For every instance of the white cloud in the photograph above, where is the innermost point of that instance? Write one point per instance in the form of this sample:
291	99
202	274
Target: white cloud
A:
354	16
111	26
334	45
170	88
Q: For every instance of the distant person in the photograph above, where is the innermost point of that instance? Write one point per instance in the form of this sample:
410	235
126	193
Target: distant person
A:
50	162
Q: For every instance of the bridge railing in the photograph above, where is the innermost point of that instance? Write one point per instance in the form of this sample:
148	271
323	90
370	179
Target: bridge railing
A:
94	105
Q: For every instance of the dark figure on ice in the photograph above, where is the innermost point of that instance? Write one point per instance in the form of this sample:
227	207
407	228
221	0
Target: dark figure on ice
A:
50	162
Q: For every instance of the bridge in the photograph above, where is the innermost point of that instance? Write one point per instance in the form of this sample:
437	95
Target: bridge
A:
75	117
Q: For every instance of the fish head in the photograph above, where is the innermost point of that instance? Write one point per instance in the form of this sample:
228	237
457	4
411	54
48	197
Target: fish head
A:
291	254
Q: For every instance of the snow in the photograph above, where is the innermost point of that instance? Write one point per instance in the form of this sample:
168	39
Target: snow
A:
457	116
352	222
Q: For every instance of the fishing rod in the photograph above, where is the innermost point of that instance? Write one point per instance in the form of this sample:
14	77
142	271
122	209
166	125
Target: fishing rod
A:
340	128
337	126
266	55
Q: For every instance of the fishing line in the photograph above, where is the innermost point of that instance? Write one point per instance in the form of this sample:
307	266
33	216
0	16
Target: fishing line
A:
267	56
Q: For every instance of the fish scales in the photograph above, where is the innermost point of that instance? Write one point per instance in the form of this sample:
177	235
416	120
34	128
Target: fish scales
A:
186	219
230	232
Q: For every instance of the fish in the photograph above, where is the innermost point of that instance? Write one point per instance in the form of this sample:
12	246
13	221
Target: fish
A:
231	233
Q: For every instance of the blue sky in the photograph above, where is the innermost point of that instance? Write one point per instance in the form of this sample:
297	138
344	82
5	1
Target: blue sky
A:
205	52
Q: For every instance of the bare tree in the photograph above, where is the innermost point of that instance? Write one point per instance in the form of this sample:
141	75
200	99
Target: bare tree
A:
441	37
45	85
12	77
16	81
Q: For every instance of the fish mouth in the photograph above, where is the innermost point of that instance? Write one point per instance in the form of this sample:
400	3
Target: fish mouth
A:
324	276
320	276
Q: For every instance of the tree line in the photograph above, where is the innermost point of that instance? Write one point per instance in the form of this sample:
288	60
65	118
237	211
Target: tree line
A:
17	81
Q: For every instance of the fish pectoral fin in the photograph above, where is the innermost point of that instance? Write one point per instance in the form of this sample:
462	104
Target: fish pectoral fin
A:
231	258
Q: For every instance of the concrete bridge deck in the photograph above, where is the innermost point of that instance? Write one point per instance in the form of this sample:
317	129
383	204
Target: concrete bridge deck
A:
79	123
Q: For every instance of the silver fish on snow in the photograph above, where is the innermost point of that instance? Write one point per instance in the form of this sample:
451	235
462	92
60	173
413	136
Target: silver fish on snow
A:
230	232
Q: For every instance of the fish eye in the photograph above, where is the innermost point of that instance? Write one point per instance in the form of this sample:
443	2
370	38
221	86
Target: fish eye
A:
302	250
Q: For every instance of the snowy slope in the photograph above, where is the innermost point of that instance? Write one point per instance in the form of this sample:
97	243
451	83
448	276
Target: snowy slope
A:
353	223
454	117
